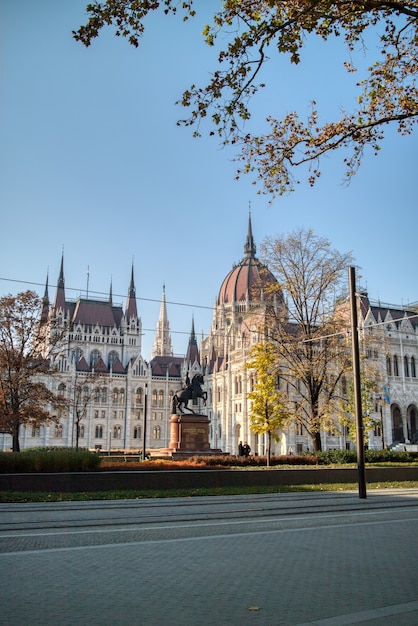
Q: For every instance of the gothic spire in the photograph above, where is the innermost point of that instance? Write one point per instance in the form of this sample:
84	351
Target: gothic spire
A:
249	248
59	302
131	310
45	303
162	340
192	355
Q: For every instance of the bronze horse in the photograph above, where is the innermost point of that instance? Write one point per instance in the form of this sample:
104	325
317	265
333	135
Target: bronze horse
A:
192	391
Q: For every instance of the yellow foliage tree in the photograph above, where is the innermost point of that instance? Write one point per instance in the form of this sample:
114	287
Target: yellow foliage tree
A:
269	405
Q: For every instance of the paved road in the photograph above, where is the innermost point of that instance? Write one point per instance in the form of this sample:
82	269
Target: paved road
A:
288	559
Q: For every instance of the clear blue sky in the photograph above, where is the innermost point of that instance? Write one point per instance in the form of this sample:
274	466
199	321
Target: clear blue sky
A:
92	162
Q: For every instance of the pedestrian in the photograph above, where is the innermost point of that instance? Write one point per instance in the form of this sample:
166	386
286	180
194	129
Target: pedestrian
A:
240	449
246	449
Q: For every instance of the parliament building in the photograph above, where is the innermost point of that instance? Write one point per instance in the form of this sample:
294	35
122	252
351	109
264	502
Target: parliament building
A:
103	372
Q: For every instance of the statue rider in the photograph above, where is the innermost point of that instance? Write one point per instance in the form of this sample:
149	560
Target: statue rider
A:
187	382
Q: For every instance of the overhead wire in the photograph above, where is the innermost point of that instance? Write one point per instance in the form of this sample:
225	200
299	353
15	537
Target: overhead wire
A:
200	306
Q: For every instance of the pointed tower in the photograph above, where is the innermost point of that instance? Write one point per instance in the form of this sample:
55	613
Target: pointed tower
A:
59	302
111	293
131	310
162	341
131	325
192	361
45	304
249	247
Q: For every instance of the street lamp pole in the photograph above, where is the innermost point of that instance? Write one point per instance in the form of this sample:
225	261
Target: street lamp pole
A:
381	421
357	384
144	434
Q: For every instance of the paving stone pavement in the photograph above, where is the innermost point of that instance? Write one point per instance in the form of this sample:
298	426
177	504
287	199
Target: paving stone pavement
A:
255	561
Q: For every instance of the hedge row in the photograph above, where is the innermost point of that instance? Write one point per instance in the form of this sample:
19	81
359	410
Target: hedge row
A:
331	457
49	460
68	460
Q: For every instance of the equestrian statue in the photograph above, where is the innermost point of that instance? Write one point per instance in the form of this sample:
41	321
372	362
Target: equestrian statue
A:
190	391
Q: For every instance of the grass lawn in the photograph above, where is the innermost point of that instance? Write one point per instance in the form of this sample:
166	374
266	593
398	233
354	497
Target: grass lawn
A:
17	496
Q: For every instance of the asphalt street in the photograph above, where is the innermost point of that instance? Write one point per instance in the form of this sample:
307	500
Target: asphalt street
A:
324	559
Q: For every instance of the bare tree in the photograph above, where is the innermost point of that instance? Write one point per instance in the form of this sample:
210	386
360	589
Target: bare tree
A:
310	333
80	399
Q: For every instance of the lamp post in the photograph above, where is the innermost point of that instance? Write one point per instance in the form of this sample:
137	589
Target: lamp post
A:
357	384
381	421
144	434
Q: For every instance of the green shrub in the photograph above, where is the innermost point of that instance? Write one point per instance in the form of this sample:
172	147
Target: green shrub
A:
340	457
390	456
336	457
49	460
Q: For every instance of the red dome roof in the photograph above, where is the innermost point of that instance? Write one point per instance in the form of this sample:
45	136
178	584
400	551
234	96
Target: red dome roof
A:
250	279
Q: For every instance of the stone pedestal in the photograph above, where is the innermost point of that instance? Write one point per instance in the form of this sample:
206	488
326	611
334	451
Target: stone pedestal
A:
189	433
189	436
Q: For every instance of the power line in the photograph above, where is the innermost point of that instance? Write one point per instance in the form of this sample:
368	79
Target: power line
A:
106	294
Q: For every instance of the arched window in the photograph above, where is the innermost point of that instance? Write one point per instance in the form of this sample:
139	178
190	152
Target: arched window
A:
138	395
137	432
154	397
58	430
77	354
62	364
96	394
121	396
115	394
113	355
413	370
397	428
61	390
161	398
389	365
82	431
94	357
104	394
157	432
406	366
117	432
99	432
395	366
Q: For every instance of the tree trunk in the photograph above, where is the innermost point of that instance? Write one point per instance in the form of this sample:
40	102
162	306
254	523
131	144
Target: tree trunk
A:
268	448
15	438
316	440
77	434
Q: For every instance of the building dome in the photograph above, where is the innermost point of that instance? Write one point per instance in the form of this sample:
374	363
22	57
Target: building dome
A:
250	280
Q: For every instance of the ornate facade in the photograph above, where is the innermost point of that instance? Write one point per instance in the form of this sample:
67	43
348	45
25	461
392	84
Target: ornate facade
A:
103	374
